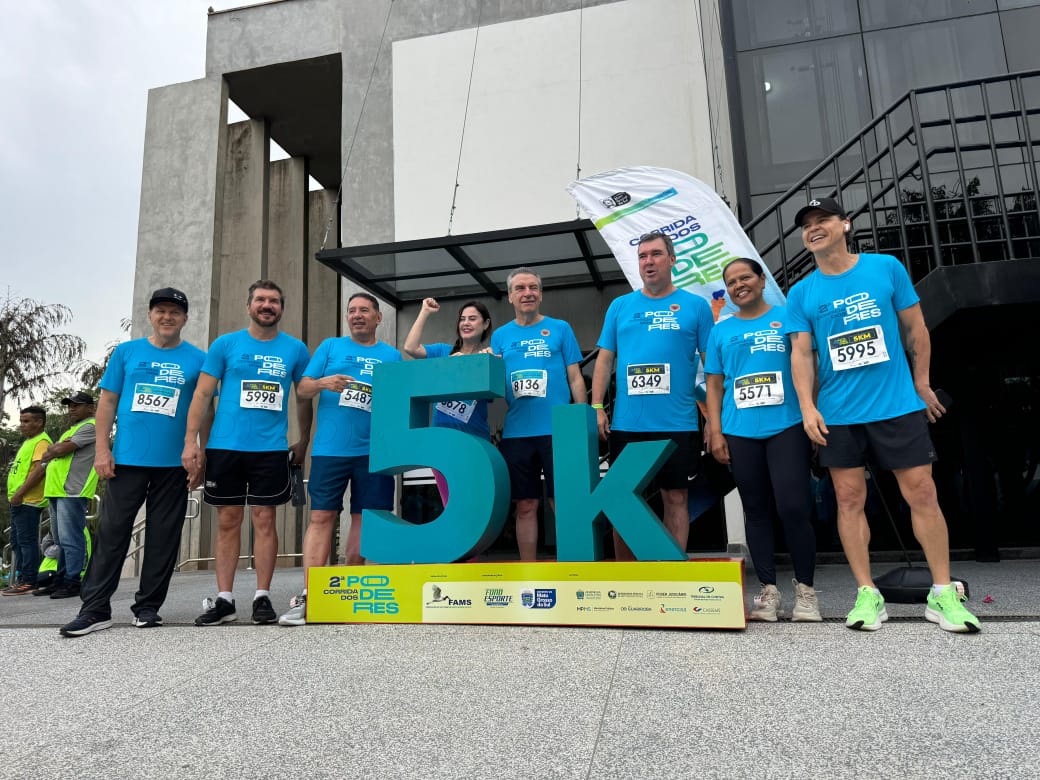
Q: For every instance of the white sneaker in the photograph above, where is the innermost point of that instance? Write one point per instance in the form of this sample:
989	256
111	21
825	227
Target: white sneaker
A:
297	614
766	605
806	606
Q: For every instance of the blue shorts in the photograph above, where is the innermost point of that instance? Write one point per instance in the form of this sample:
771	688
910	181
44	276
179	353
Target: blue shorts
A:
330	476
527	458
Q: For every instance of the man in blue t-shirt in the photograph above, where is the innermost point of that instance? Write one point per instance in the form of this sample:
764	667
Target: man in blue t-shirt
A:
541	357
147	387
340	374
245	460
871	402
657	334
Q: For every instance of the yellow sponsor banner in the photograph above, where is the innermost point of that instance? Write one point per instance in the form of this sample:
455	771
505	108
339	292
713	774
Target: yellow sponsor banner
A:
663	594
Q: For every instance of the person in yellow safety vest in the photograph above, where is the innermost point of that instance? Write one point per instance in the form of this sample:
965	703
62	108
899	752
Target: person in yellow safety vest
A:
70	484
49	552
25	494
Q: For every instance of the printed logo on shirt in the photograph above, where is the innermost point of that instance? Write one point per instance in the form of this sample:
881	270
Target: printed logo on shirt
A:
766	340
775	324
270	365
662	319
675	307
858	307
170	373
534	348
367	365
545	332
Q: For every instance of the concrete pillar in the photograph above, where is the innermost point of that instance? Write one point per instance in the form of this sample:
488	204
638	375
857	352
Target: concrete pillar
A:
243	255
323	312
287	266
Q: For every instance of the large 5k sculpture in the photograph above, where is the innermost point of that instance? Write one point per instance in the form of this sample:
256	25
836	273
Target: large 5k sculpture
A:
478	482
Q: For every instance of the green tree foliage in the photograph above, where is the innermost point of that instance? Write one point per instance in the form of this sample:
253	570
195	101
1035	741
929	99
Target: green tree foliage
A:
31	352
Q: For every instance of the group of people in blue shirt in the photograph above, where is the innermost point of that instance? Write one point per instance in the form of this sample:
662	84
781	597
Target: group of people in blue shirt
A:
826	371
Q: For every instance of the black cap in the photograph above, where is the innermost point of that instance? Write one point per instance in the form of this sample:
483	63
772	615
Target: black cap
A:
830	205
169	295
82	397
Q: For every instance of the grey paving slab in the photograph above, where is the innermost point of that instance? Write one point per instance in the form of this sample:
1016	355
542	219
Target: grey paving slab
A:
776	700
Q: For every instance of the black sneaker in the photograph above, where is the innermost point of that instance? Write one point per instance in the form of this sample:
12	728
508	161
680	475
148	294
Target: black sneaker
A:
263	611
85	623
66	590
45	590
217	612
147	618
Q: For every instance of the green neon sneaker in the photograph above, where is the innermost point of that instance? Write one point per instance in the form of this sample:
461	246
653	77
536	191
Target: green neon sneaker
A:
869	612
947	610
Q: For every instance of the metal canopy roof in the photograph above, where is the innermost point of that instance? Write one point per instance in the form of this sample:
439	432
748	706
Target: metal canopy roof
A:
565	254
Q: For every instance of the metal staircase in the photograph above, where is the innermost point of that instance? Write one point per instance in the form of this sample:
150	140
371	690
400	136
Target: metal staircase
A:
947	175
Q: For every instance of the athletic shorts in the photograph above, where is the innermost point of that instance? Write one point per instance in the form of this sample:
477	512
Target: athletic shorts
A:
236	478
682	466
330	476
898	443
527	458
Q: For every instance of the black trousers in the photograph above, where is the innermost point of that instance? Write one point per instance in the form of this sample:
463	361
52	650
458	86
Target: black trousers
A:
772	476
164	493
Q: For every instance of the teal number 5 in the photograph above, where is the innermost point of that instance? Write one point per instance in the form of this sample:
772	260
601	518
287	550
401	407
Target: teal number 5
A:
478	481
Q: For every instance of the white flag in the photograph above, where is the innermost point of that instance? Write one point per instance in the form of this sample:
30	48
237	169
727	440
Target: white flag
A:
627	203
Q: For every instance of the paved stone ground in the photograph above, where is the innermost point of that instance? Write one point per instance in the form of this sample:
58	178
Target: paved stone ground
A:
779	700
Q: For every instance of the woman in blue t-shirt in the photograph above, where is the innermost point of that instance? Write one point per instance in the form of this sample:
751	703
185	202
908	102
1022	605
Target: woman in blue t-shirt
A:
755	425
472	331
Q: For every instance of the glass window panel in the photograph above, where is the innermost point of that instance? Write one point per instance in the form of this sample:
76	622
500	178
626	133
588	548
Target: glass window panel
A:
936	53
886	13
800	102
760	23
1020	38
523	250
1002	4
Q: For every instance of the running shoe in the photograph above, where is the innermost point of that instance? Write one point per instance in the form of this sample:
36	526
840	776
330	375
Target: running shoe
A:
947	610
263	611
869	612
217	612
806	607
67	590
766	605
147	618
297	614
85	623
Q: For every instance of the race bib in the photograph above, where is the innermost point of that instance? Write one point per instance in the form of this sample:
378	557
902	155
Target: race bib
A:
357	395
857	348
458	410
529	383
155	399
762	389
649	379
257	394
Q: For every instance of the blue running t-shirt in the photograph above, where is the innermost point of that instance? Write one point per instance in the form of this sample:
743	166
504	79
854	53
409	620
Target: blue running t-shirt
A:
754	358
467	416
155	387
536	358
658	342
345	419
255	378
863	372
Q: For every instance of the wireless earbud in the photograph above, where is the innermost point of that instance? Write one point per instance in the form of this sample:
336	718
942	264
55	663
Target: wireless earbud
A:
846	228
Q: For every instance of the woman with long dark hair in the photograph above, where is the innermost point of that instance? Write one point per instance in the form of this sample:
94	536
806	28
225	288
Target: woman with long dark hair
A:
472	331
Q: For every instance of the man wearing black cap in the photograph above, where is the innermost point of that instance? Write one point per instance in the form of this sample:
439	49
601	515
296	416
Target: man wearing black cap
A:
69	485
871	402
148	386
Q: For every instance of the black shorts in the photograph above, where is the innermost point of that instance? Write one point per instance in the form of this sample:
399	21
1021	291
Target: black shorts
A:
682	466
527	458
898	443
236	478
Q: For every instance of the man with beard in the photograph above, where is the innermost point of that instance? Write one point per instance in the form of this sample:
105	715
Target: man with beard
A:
246	460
